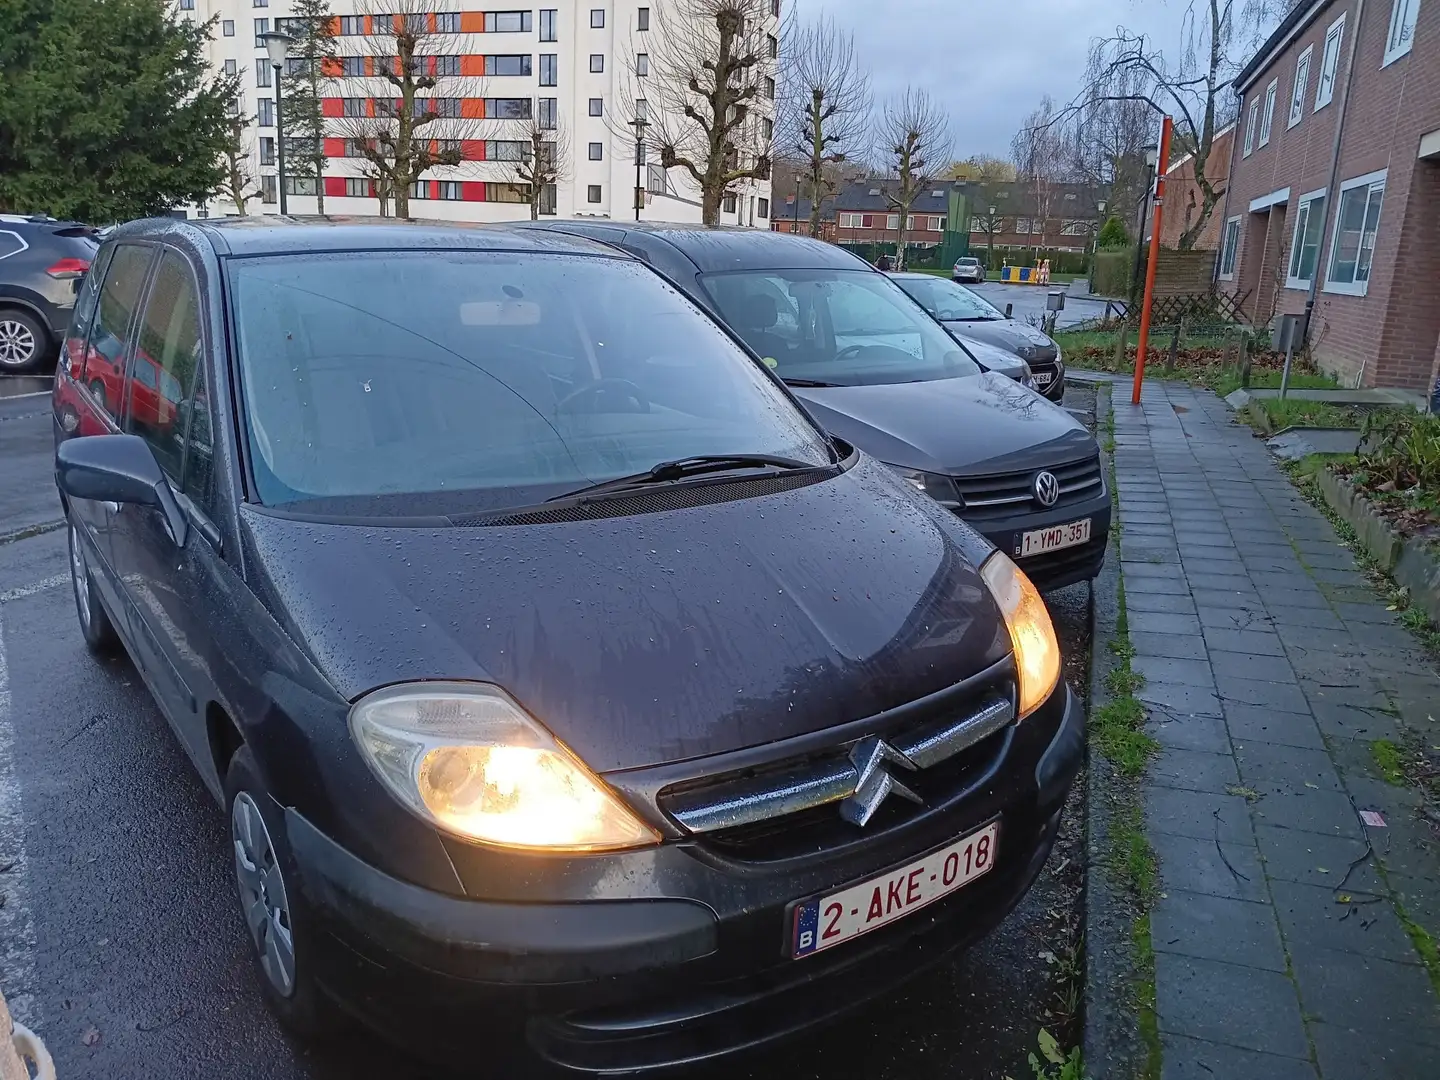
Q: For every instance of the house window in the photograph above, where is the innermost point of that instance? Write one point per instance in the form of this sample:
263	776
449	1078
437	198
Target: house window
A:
549	112
227	27
1403	14
187	5
1252	120
597	106
549	69
597	151
548	19
774	43
511	193
597	63
1228	247
506	149
352	106
447	22
767	128
508	65
507	22
775	8
352	25
597	18
265	112
299	185
642	109
642	63
230	67
1305	249
1297	92
267	150
509	108
592	193
259	3
549	200
642	19
357	187
1329	63
769	88
269	188
892	221
937	223
450	190
851	221
1352	247
420	189
1269	119
262	26
728	203
262	71
762	208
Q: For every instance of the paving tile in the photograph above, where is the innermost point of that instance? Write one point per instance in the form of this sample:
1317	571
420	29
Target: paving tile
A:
1212	566
1312	916
1222	599
1310	810
1179	646
1419	896
1241	665
1196	770
1189	732
1280	599
1185	1058
1140	568
1163	622
1243	1006
1293	767
1253	724
1217	928
1307	618
1233	617
1179	699
1295	578
1355	692
1260	641
1202	815
1143	529
1368	995
1336	559
1345	1054
1187	672
1315	859
1157	601
1350	723
1364	613
1283	696
1170	584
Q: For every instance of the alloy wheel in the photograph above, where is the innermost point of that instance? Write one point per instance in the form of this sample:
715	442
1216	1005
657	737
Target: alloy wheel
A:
80	578
17	343
263	896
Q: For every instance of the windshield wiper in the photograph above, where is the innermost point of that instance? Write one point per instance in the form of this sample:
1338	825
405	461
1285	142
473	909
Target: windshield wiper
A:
667	472
810	384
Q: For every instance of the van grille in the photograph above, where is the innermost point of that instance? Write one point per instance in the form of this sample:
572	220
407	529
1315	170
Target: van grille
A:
1004	494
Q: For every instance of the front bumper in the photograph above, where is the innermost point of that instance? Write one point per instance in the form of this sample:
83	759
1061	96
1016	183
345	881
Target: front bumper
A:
1053	569
1054	388
693	973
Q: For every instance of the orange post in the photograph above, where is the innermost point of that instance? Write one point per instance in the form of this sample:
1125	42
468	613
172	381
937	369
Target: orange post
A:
1166	129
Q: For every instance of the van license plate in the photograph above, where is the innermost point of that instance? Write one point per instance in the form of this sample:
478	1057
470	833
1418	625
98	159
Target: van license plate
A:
1054	538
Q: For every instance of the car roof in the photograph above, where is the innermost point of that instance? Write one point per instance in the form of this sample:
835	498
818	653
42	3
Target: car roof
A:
715	249
274	235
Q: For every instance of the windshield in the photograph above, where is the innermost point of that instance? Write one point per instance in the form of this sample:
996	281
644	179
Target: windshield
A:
948	301
842	327
443	381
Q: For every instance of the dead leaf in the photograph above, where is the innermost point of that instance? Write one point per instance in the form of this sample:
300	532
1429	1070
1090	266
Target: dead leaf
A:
1322	869
91	1036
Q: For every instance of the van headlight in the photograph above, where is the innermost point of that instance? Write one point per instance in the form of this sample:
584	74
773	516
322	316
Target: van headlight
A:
466	757
940	488
1037	653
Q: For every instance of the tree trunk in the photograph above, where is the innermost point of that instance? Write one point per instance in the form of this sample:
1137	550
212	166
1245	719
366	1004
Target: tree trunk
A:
320	187
710	205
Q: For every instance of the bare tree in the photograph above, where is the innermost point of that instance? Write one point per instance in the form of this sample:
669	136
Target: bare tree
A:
824	111
982	168
418	105
238	183
1039	152
309	74
539	163
1106	140
915	146
703	78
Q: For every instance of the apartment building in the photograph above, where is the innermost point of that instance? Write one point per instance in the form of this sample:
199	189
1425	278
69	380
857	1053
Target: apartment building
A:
578	67
1353	224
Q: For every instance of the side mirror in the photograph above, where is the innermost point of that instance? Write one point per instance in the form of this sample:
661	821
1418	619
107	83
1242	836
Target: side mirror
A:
119	469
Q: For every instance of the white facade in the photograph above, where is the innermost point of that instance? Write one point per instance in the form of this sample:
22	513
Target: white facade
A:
672	196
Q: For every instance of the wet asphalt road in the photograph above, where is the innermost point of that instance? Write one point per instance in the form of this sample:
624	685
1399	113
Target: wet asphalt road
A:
1029	301
119	937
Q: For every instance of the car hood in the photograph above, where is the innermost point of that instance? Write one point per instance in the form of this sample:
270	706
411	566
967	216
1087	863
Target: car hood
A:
991	356
962	427
1008	334
660	636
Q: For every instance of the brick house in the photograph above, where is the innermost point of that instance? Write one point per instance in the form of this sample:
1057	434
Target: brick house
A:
1358	231
786	217
1182	196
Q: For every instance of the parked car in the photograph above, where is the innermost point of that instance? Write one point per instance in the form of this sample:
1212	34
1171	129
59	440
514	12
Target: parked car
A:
873	368
974	318
40	261
552	667
967	268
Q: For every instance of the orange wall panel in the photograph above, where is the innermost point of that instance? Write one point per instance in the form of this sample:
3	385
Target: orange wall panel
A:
472	108
472	22
472	65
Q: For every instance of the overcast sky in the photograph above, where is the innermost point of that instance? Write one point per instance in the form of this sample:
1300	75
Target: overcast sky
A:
990	61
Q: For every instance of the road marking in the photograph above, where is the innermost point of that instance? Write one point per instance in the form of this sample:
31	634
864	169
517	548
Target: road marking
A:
29	590
18	397
17	930
31	530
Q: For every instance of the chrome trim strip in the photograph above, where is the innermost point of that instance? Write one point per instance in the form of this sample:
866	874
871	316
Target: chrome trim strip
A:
971	503
932	748
1066	489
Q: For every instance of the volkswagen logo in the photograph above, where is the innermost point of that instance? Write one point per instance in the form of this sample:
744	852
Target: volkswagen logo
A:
1047	488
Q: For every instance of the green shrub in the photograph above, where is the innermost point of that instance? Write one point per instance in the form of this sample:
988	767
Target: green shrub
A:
1113	234
1402	448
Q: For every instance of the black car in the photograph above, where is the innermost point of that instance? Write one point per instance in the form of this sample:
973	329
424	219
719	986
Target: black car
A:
973	318
40	261
873	369
552	668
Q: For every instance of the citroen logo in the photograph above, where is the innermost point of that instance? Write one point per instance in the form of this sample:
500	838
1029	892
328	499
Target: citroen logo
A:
875	782
1047	488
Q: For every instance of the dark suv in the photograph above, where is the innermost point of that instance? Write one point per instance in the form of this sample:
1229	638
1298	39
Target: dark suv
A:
40	261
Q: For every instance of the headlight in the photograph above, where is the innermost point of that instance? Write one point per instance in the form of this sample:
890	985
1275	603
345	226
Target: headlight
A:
940	488
1037	653
465	757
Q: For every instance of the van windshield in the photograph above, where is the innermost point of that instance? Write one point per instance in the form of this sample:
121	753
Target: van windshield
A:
439	382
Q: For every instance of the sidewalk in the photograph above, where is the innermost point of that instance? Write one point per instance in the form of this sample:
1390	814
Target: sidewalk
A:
1271	665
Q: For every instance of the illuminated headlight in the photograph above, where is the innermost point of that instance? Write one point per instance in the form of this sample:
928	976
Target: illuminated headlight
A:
1037	653
940	488
466	757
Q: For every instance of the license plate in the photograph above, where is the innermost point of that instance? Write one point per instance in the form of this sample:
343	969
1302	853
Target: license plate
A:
829	920
1042	378
1054	538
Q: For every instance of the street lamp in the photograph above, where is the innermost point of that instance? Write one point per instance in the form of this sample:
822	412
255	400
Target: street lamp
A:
639	124
795	228
277	48
990	252
1152	158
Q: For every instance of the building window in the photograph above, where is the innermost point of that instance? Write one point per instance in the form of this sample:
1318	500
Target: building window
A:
597	18
549	113
508	65
230	67
597	63
451	146
450	190
1402	29
353	148
187	5
269	188
1075	228
549	69
642	19
265	112
1251	122
357	187
507	22
763	208
769	88
420	189
267	150
597	106
447	22
1228	247
440	106
596	151
1305	249
262	26
506	149
1302	82
592	193
775	8
851	221
1329	63
549	201
259	3
352	25
642	109
642	63
262	71
728	203
352	66
227	27
509	108
447	65
1352	248
506	192
352	106
548	18
1269	119
299	185
774	43
892	221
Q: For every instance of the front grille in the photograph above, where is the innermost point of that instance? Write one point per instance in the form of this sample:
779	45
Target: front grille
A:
1003	494
1042	354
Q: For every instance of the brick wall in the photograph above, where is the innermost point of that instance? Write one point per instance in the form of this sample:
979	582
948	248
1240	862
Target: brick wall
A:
1182	196
1184	273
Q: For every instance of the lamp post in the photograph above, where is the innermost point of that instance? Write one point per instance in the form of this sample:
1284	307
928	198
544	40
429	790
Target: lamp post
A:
990	251
639	124
277	48
795	228
1152	156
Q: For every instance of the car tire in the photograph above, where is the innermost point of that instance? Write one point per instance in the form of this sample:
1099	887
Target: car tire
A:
272	909
23	341
95	625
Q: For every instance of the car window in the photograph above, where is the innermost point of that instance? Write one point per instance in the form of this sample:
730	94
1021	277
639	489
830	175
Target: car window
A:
848	327
200	446
948	301
458	381
166	352
110	329
10	243
83	315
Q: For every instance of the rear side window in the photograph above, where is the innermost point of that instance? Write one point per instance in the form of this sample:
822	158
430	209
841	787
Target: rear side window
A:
10	244
167	352
83	315
110	329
